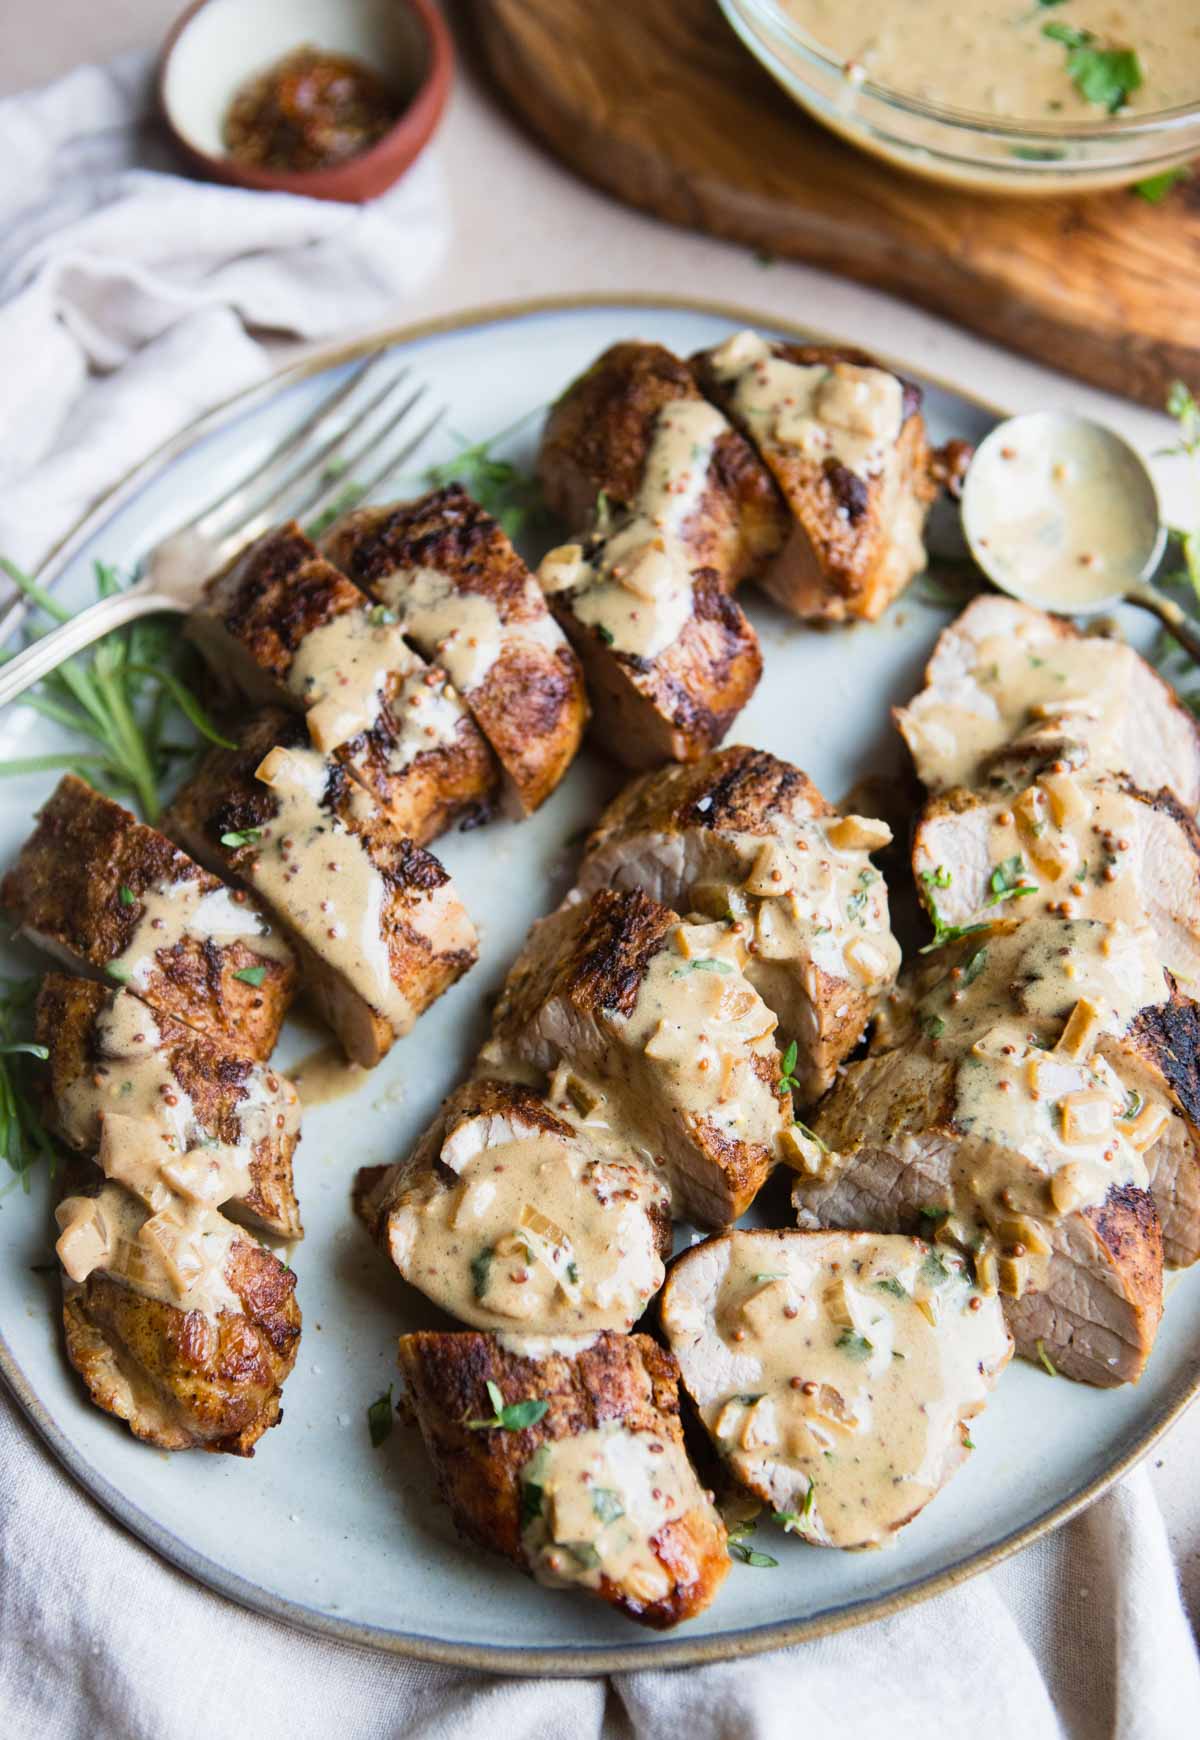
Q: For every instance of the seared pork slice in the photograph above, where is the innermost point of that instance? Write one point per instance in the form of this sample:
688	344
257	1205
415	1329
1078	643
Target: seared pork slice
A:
1158	1062
1091	848
595	1491
599	433
746	836
670	659
217	1115
293	631
511	1217
376	921
836	1372
1068	1237
202	1370
108	896
656	1018
1010	691
463	596
845	441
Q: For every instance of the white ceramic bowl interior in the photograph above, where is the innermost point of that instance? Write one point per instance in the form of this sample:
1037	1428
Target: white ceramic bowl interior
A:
228	41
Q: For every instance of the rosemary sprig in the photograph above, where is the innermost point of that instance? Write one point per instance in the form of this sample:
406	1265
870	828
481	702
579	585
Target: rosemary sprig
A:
502	489
118	698
24	1139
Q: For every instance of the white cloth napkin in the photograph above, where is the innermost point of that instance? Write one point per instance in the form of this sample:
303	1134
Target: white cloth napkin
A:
130	299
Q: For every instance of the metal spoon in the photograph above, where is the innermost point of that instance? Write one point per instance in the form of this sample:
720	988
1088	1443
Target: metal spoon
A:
1061	512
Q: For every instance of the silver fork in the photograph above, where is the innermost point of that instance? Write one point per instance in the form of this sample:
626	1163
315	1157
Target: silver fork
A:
359	423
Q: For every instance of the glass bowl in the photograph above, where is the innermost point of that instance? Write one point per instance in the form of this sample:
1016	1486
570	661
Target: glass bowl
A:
955	146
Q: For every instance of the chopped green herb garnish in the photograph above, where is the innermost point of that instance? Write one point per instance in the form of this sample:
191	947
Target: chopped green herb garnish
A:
242	837
1045	1358
1133	1103
771	1275
1007	881
607	1504
750	1556
703	966
501	488
934	1213
532	1490
1105	76
379	1418
573	1273
126	895
939	878
811	1135
787	1082
889	1284
379	616
24	1139
791	1520
1155	188
604	634
251	975
974	965
583	1553
854	1344
942	932
968	1441
480	1268
934	1270
934	1025
508	1416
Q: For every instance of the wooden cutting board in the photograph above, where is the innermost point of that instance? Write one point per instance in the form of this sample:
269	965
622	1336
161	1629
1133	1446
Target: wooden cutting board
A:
659	103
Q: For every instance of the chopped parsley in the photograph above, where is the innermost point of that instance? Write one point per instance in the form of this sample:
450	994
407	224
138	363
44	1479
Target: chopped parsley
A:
1105	76
1007	881
379	1418
889	1284
856	906
241	837
508	1416
854	1344
126	895
975	964
251	975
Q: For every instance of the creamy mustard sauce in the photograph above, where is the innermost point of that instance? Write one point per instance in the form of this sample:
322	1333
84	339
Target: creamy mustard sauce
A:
839	411
701	1023
594	1505
1068	846
178	1256
1059	512
633	581
1048	1126
175	910
536	1230
993	56
319	876
844	1370
326	1075
150	1137
462	630
340	674
1028	694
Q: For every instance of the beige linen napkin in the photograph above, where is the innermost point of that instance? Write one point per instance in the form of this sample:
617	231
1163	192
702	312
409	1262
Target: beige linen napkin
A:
129	301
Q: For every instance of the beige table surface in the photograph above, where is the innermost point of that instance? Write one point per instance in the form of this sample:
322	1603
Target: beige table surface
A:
529	228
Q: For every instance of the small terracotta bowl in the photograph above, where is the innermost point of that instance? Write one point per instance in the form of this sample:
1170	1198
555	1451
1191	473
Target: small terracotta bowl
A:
218	44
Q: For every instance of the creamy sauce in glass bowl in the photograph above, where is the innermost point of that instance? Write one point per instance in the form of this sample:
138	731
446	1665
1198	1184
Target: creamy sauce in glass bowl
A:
1017	58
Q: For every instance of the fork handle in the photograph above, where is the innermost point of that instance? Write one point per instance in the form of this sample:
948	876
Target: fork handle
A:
46	654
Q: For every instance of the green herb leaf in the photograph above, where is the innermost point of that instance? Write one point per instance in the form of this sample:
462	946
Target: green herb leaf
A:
934	1213
1155	188
771	1275
703	966
584	1554
606	1504
480	1270
1104	76
116	971
967	1441
379	616
380	1418
242	837
854	1344
23	1048
749	1556
889	1284
502	489
1045	1358
126	895
1133	1103
787	1063
934	1270
1007	881
790	1520
251	975
604	634
510	1416
811	1134
934	1025
974	965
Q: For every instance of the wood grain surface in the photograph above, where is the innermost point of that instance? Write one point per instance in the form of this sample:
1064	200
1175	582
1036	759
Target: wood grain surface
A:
658	102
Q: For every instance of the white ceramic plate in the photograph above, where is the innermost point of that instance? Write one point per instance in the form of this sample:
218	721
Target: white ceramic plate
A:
321	1529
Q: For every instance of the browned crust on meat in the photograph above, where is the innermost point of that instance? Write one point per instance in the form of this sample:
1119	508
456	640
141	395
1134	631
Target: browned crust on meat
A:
66	889
65	1019
732	790
531	706
597	437
274	594
678	706
844	519
605	949
622	1378
180	1380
